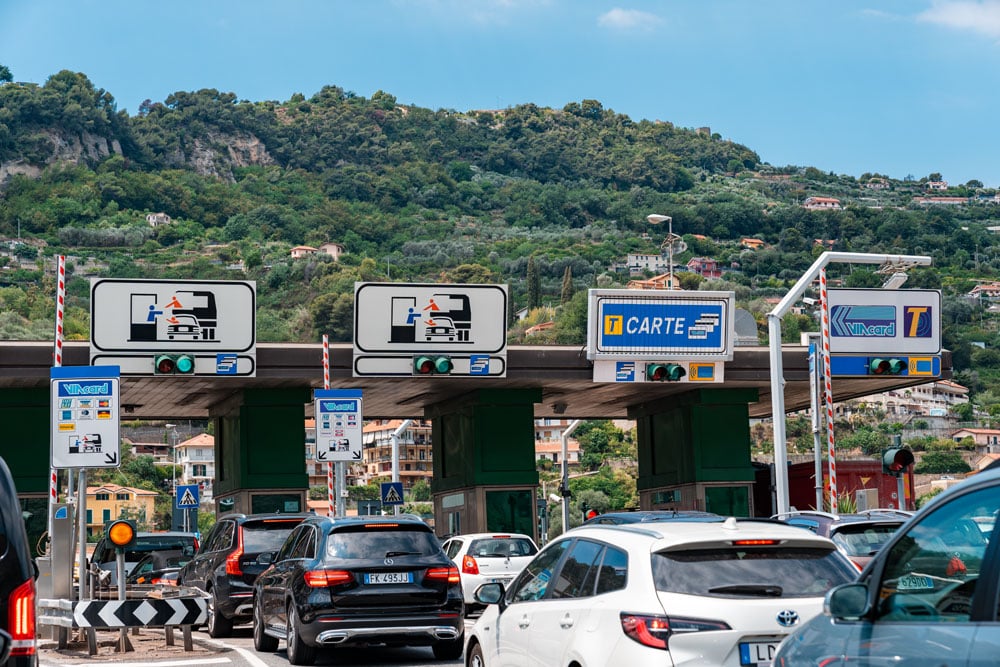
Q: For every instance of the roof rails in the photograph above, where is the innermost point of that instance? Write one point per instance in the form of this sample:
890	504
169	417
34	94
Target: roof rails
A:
782	515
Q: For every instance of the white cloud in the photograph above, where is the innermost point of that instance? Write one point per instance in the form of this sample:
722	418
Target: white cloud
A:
982	16
628	19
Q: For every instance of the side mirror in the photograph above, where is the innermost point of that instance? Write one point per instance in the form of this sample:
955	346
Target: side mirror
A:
491	593
5	642
267	557
846	602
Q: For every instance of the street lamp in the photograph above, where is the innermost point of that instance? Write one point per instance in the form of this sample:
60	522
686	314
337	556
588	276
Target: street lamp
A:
172	435
656	219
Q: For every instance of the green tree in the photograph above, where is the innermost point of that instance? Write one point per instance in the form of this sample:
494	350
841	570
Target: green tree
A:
420	492
942	461
5	75
567	285
534	285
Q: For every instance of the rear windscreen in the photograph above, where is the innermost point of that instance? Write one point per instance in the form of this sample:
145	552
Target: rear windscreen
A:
751	572
162	542
863	540
501	547
380	543
259	537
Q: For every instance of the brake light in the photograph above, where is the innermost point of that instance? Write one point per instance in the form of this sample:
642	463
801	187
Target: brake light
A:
233	559
449	574
21	619
469	565
324	578
655	631
755	543
381	525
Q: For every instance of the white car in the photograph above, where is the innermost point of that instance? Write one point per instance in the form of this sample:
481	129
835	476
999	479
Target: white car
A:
484	558
678	593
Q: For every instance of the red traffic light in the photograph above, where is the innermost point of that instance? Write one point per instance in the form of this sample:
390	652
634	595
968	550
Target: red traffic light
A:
589	514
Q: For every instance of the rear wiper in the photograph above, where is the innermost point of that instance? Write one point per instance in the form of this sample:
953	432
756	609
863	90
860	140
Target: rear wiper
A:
390	554
765	590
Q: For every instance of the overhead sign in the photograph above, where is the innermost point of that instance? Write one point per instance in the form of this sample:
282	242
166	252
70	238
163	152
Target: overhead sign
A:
338	424
85	417
869	366
611	370
392	493
395	321
660	324
186	496
880	321
212	322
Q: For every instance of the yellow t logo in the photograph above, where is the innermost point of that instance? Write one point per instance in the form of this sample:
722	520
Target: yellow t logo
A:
613	325
915	313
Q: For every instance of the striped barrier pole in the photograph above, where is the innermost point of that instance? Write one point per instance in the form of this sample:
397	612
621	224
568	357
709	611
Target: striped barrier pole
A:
331	492
828	391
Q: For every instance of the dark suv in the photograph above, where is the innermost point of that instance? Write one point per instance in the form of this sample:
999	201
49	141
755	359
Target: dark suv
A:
228	562
17	577
354	581
106	559
859	536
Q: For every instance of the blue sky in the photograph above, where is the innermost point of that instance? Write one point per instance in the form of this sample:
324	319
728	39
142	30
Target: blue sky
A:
901	87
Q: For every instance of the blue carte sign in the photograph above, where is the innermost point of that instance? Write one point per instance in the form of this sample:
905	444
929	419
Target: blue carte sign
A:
660	323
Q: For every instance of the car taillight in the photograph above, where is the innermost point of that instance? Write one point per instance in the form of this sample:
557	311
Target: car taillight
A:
449	574
233	559
324	578
655	631
21	618
469	565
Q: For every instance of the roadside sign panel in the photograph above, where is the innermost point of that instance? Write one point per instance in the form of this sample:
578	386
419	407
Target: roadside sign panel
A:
660	324
611	370
392	493
338	424
186	496
879	321
85	417
394	321
860	366
212	321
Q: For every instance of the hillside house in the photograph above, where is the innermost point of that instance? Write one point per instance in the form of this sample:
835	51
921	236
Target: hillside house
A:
538	328
877	184
661	281
157	219
334	250
987	440
940	201
936	186
705	266
989	291
752	244
639	262
111	501
300	251
822	204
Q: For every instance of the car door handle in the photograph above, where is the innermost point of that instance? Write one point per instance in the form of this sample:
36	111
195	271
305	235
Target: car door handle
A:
524	622
566	621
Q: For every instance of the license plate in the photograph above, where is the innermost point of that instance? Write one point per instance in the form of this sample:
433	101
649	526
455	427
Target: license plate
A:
501	580
388	577
914	582
757	653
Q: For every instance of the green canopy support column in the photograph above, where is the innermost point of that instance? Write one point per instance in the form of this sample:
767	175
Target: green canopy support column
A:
260	452
27	418
694	451
484	462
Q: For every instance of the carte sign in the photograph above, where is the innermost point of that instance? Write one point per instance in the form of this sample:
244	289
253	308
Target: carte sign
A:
879	321
338	424
85	417
660	324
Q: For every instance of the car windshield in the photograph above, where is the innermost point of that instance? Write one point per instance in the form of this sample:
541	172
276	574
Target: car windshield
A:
379	543
751	572
260	537
863	540
501	547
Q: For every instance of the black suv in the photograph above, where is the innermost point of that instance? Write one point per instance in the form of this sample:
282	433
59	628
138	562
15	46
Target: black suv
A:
228	562
17	577
859	536
354	581
146	543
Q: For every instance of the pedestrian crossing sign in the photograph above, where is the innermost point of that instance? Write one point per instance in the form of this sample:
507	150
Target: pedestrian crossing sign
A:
392	493
187	496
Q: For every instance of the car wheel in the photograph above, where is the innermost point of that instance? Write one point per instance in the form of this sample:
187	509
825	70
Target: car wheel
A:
218	625
450	649
262	642
476	657
298	652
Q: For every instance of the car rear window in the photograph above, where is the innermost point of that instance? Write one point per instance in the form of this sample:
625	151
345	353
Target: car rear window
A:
863	540
501	547
751	572
162	542
262	536
379	543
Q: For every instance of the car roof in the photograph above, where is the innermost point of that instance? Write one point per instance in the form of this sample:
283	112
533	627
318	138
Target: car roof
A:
240	517
494	535
665	535
639	516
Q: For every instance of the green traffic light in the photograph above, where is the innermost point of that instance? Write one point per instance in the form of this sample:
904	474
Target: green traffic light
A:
184	364
664	372
426	365
442	365
886	366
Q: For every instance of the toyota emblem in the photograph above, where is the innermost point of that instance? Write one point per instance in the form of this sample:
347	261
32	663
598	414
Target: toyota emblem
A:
787	618
388	561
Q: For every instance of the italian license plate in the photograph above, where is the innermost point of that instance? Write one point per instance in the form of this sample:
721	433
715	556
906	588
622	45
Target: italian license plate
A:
501	580
914	582
388	577
757	653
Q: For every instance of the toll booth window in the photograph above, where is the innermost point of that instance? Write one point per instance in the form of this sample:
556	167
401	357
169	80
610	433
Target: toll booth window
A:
272	504
510	511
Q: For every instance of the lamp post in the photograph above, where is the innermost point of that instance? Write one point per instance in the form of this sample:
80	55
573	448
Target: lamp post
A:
172	441
656	219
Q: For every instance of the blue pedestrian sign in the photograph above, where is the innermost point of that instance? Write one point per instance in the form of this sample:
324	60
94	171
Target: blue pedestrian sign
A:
187	496
392	493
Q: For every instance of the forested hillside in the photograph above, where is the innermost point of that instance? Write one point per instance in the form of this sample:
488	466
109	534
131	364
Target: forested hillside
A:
545	200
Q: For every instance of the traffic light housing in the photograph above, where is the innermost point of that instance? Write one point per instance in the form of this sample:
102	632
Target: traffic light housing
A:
664	372
173	364
895	461
427	364
886	366
121	533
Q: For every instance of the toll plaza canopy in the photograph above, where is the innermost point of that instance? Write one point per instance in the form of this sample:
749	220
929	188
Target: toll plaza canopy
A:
563	373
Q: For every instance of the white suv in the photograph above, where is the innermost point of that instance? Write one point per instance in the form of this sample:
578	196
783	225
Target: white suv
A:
681	593
484	558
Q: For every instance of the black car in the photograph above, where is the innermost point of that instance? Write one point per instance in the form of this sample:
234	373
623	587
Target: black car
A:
106	558
228	562
17	577
354	581
859	536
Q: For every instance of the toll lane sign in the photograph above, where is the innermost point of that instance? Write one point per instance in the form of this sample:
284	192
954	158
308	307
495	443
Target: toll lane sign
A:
878	321
338	424
660	324
85	417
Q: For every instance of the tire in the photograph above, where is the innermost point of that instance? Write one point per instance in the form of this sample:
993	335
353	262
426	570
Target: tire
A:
218	625
298	652
475	658
450	649
262	642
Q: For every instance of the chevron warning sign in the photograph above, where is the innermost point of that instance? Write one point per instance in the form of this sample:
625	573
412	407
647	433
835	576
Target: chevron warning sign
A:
140	613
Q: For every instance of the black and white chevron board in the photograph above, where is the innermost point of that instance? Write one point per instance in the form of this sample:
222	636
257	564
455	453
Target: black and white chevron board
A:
149	612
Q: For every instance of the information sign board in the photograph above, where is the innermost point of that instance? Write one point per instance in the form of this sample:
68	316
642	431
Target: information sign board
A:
85	429
881	321
338	424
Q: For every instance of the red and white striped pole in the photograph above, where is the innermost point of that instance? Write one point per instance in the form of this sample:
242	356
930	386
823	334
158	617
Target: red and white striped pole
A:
828	391
330	491
57	359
